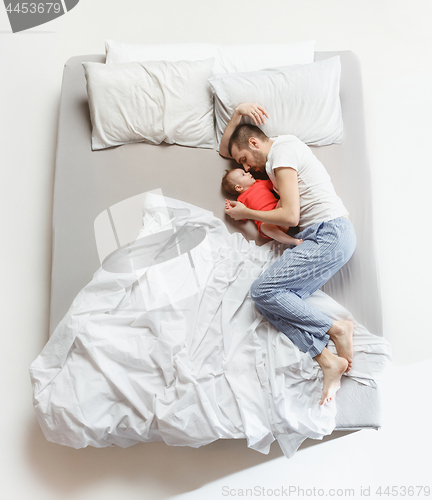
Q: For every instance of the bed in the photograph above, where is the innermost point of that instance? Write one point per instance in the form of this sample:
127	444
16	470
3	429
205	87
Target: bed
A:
88	182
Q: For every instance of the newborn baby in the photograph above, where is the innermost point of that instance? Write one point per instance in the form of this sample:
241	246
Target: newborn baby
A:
256	195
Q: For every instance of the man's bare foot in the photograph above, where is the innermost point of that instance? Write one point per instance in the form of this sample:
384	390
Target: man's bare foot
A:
333	368
341	333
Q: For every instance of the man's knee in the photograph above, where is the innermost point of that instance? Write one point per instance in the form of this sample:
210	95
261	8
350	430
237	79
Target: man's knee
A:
257	292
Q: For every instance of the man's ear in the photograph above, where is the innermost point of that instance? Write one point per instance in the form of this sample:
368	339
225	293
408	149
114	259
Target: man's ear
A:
253	143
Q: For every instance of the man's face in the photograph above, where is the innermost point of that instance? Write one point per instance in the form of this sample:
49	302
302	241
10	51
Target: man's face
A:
251	159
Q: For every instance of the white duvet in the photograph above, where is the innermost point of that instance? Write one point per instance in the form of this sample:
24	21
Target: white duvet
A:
165	343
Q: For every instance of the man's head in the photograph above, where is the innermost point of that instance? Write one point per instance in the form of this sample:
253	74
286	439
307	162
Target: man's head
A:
249	146
237	181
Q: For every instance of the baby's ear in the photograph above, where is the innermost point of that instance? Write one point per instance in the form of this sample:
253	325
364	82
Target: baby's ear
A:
238	188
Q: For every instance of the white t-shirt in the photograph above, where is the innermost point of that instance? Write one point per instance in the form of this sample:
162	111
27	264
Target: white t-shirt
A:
318	199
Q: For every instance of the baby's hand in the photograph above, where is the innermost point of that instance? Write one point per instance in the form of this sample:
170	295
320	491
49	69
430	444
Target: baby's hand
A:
236	210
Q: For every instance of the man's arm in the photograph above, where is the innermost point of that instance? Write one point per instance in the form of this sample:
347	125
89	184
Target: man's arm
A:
277	234
253	110
288	214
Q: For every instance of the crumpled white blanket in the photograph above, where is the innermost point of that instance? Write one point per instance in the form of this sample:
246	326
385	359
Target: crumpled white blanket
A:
171	347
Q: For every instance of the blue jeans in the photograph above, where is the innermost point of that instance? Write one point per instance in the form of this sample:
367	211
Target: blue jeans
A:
280	291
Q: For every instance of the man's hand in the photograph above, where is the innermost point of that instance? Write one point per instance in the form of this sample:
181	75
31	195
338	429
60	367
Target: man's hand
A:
254	111
236	210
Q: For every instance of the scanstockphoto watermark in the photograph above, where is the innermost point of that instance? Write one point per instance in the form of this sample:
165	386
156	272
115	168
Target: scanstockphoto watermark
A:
25	15
300	492
172	244
287	491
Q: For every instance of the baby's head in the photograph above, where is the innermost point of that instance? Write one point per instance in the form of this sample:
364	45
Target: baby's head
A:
237	181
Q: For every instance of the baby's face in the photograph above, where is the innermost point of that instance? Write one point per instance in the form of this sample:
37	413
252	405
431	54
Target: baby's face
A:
242	180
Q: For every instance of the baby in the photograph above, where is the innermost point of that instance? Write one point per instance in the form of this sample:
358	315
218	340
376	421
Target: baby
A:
257	195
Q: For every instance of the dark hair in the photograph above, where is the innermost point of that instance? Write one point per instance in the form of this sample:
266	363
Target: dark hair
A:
228	184
241	135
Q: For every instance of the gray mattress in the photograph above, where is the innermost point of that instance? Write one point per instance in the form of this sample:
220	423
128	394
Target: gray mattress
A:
88	182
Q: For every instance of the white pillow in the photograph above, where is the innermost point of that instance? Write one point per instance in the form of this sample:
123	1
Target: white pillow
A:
300	100
229	58
151	102
128	52
254	57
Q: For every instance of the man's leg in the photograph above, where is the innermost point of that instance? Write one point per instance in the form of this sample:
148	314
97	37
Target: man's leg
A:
280	291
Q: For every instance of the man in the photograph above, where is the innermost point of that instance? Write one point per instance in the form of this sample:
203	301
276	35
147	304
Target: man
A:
308	200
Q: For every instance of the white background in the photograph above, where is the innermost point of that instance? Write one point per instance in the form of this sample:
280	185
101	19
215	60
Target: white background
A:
393	40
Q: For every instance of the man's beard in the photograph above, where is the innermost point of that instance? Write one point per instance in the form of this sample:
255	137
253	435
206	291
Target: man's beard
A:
260	160
259	172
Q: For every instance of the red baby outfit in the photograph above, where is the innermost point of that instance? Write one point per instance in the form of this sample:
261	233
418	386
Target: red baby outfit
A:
259	197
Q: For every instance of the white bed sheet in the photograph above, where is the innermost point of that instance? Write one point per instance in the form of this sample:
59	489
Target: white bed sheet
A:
177	351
